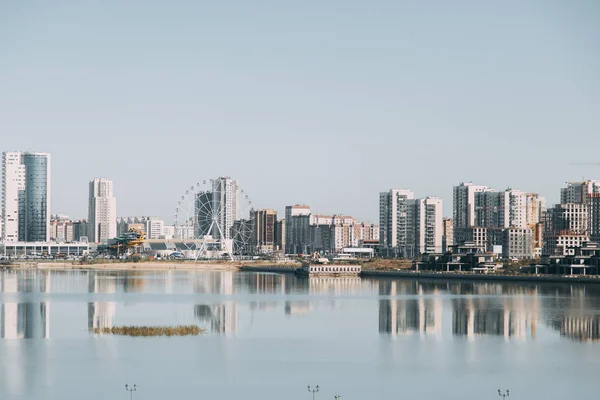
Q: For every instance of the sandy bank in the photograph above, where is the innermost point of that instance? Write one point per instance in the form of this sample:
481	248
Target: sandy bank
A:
126	266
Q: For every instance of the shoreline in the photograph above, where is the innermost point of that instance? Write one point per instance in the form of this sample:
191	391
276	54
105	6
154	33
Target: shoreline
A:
480	277
445	275
289	268
125	266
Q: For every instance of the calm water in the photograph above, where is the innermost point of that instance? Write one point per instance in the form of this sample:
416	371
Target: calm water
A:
269	336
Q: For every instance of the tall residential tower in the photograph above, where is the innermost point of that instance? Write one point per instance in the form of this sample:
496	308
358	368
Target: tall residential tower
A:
102	215
25	197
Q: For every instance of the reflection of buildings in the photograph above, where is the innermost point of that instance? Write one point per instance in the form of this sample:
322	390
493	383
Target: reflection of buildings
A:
402	316
334	285
223	317
573	310
484	316
265	283
580	328
24	320
101	314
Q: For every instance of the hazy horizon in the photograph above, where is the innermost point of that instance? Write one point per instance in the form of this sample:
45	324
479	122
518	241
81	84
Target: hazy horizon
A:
319	103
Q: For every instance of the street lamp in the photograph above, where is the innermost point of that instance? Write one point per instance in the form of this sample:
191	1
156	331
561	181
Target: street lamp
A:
313	391
503	395
130	389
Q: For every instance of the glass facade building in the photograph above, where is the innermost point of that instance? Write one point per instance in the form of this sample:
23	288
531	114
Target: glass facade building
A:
34	202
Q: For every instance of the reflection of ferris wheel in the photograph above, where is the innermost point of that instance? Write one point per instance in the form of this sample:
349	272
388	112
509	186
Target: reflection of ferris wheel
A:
215	219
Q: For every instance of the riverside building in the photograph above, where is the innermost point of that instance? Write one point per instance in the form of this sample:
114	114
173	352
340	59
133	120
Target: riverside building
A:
25	197
102	212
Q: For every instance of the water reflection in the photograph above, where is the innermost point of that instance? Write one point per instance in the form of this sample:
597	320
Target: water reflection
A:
223	316
24	320
101	314
511	311
427	308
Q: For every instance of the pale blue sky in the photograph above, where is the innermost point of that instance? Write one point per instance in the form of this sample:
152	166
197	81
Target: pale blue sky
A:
318	102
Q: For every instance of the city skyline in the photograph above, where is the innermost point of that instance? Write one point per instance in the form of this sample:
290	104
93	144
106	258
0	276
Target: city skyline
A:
107	187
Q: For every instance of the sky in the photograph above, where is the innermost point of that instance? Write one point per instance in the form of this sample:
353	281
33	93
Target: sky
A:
320	102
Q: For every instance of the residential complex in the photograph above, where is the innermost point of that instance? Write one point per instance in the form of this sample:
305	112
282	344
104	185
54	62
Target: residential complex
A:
505	222
575	221
307	233
408	226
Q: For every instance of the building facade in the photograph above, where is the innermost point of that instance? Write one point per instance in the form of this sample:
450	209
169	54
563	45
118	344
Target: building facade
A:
25	197
464	210
517	243
408	226
297	228
102	214
429	225
265	230
225	202
394	221
155	228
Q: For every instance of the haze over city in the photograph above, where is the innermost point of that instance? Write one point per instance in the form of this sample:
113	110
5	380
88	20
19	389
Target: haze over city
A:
319	103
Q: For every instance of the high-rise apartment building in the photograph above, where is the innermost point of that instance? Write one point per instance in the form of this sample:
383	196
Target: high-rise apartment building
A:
225	192
408	226
102	211
25	197
394	219
429	225
265	226
464	210
575	221
482	215
297	228
586	193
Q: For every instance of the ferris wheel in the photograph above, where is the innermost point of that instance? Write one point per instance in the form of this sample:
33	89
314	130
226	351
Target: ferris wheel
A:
215	219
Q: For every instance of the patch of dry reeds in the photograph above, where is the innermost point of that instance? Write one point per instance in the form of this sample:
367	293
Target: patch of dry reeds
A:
179	330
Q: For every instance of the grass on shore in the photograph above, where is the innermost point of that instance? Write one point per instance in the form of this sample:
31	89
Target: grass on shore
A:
179	330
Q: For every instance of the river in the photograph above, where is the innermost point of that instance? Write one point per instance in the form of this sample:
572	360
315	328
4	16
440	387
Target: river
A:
269	336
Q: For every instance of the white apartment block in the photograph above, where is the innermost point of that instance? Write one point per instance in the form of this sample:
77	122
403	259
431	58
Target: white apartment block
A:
429	225
155	228
224	197
102	211
464	209
409	226
393	217
517	209
13	183
169	232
